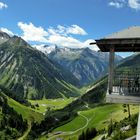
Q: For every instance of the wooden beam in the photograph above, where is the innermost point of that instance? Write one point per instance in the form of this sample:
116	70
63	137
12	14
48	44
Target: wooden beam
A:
121	45
111	69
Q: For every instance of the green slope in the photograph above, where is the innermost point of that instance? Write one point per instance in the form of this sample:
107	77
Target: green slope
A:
53	104
98	117
30	74
26	112
12	124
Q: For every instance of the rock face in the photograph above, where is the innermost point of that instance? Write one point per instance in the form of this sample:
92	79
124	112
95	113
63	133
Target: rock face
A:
85	64
3	37
29	73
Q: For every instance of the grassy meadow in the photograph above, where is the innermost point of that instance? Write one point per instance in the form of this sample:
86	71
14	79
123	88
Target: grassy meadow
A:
98	117
54	104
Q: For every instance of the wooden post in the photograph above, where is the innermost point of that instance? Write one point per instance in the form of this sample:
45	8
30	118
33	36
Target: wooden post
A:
111	70
138	127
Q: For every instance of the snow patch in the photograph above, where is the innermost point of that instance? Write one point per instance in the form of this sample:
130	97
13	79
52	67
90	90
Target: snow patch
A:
45	48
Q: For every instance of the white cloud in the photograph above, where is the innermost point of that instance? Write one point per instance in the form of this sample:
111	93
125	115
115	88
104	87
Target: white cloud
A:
116	4
7	31
53	31
92	47
61	35
134	4
3	5
71	42
66	30
75	29
64	41
32	33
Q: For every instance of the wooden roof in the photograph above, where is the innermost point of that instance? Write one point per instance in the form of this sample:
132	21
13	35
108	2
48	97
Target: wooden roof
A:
127	40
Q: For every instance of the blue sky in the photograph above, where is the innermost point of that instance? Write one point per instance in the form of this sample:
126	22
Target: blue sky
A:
70	23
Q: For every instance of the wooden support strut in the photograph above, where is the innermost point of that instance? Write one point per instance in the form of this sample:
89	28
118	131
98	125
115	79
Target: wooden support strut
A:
111	70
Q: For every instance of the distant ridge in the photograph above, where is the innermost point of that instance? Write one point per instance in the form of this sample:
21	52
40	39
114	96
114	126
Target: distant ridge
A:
85	64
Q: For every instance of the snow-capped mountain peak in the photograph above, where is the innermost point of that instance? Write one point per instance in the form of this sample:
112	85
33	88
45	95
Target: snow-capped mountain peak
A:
45	48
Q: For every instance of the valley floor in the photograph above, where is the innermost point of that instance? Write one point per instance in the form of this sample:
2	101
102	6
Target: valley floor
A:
98	117
42	106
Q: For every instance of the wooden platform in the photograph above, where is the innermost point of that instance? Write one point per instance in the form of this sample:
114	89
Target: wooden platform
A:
116	98
123	96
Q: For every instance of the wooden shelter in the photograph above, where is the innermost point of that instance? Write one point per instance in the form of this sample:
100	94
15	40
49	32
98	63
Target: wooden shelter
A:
127	40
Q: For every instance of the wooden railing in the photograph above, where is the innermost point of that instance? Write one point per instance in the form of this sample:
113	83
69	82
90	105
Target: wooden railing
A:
127	82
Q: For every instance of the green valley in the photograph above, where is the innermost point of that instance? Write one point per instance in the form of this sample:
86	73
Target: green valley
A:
50	101
98	117
52	104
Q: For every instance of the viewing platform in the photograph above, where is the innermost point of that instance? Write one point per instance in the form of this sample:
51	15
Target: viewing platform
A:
116	97
126	87
123	84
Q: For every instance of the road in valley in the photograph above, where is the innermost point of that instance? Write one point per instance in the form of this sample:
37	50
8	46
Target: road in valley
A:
87	120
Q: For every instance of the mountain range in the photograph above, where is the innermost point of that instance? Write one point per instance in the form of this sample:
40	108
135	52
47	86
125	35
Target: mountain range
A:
85	64
57	72
29	73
